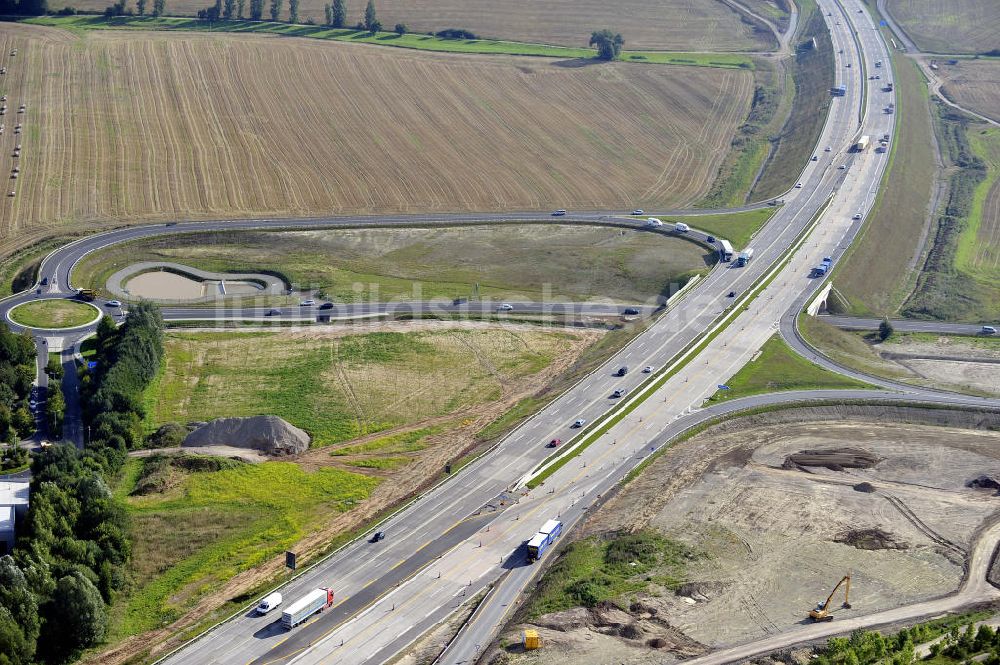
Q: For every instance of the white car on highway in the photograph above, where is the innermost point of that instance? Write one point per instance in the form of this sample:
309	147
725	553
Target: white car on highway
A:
114	303
505	307
579	422
307	303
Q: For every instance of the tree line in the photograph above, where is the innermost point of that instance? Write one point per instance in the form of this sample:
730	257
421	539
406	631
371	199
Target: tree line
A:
954	643
72	552
17	374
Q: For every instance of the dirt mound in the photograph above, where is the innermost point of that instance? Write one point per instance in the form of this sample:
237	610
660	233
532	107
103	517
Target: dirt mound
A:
835	459
867	488
984	482
700	591
871	539
269	434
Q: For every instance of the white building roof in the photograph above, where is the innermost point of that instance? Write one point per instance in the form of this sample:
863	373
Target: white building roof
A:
13	493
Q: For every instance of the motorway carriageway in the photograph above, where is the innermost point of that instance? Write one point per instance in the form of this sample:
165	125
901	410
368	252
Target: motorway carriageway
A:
403	612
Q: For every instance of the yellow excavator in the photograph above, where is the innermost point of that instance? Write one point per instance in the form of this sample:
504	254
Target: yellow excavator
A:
822	611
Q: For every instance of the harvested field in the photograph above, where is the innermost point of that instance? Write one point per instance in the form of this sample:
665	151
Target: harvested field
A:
676	25
777	540
974	84
510	262
956	26
130	126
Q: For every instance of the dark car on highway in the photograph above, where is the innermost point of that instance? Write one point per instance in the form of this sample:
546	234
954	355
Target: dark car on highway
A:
326	305
622	371
631	311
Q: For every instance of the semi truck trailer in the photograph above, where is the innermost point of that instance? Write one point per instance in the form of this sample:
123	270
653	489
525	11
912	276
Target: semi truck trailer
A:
541	540
725	250
744	257
315	601
862	144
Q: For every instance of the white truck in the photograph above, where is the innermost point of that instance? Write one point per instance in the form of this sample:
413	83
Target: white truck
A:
744	257
653	222
315	601
725	250
681	227
862	143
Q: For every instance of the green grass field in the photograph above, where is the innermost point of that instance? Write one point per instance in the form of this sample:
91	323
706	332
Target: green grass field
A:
410	41
978	251
531	262
873	280
53	313
340	387
778	369
208	526
737	227
594	570
955	26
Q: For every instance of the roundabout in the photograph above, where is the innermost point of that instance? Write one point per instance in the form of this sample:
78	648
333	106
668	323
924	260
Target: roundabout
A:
54	314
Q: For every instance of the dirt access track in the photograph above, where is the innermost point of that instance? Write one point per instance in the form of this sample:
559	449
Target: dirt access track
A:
777	534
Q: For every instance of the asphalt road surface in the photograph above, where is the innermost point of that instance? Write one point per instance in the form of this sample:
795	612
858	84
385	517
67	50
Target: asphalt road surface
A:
468	532
404	612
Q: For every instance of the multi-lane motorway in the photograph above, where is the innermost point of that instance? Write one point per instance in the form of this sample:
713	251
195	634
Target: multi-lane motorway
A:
467	533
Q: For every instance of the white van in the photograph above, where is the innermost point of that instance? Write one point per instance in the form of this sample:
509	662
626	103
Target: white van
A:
681	227
652	221
269	602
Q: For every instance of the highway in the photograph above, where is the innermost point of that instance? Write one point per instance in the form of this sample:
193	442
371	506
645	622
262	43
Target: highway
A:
466	534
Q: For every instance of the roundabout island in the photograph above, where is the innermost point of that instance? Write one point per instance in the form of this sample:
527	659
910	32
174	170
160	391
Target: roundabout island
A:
54	314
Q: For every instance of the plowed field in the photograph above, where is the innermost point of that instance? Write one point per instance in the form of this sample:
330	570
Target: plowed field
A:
975	84
956	26
676	25
125	127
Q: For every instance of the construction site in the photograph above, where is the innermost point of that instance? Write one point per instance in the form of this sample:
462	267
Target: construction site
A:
796	516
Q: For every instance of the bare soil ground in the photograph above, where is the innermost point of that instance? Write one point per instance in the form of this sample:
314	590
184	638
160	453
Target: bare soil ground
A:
956	26
128	127
952	363
676	25
778	539
974	84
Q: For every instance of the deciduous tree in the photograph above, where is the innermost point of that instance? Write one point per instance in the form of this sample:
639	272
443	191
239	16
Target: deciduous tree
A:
275	9
293	11
609	44
339	14
370	17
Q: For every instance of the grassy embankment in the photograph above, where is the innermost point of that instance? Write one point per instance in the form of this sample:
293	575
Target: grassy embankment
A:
53	313
532	262
956	282
194	529
19	270
777	369
593	570
411	41
874	275
812	76
786	116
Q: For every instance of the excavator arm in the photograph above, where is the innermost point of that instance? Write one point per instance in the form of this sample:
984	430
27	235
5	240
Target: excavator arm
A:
822	613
